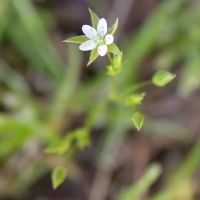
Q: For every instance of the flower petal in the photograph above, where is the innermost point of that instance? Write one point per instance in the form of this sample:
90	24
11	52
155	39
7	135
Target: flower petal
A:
90	32
102	27
87	46
109	39
102	50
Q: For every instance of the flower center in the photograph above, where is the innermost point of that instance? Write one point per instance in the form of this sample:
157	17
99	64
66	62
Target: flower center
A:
101	40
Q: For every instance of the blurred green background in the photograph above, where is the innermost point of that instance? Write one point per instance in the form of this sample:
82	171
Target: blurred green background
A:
57	112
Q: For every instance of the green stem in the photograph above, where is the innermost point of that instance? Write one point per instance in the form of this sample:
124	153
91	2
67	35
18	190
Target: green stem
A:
138	86
110	58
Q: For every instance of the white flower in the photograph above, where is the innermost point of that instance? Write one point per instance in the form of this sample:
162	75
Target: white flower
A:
97	38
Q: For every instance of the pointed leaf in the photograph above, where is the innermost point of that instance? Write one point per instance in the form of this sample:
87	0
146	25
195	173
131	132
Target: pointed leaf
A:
61	146
77	39
138	120
135	99
93	56
162	78
82	138
94	18
58	176
113	29
114	49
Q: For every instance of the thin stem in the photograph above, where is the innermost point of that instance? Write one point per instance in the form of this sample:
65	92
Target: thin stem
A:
110	58
138	86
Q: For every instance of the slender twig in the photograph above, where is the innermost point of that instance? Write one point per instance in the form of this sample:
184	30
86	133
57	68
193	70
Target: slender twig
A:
110	58
137	86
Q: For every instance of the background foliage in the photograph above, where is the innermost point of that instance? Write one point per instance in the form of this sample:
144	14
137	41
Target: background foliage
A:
57	115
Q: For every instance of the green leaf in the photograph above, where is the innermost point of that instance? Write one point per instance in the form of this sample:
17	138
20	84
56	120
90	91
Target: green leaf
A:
113	29
77	39
61	146
111	71
137	189
117	60
162	78
58	176
93	56
94	18
138	120
135	99
189	78
116	65
14	133
82	138
114	49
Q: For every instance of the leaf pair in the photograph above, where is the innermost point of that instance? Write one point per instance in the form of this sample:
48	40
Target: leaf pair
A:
135	99
79	136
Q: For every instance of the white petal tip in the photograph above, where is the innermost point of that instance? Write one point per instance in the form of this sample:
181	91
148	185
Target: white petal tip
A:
102	50
87	46
109	39
89	31
102	27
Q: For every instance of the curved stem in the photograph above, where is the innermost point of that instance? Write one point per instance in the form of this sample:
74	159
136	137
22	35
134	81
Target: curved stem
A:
138	86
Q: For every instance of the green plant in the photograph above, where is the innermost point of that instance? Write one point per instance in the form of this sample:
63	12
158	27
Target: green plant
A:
30	120
100	42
